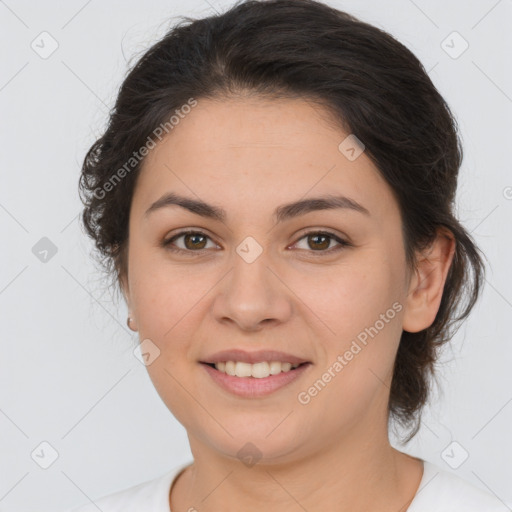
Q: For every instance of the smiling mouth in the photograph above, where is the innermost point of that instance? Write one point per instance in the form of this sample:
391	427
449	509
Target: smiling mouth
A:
258	370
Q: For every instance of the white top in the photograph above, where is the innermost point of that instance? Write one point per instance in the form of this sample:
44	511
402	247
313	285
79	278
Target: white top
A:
439	491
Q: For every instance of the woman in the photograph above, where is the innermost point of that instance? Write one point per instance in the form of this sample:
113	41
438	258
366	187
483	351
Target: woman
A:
274	196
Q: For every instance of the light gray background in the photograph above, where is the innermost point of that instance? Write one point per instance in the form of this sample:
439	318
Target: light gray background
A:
68	373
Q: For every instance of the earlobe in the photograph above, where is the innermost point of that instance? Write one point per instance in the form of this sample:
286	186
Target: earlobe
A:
130	321
427	283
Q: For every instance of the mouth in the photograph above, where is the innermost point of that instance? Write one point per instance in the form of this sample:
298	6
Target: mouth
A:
260	370
255	380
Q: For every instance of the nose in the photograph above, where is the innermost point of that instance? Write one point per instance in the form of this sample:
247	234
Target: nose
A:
253	296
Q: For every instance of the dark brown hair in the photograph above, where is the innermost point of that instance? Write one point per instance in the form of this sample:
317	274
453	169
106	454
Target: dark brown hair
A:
371	84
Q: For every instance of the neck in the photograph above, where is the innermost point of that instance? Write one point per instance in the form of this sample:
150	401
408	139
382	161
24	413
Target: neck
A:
355	473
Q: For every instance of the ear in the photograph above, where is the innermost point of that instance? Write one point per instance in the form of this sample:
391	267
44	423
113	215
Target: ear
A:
130	321
427	282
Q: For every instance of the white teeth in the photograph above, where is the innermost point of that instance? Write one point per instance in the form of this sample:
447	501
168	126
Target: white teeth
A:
243	369
229	368
260	370
275	367
257	370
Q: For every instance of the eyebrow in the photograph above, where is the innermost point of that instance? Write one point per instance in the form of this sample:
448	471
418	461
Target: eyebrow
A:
281	213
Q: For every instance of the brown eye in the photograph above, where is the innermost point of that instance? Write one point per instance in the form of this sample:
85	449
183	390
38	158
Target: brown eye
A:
193	241
197	241
319	241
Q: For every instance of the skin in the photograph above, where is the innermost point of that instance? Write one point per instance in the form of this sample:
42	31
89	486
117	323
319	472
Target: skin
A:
249	155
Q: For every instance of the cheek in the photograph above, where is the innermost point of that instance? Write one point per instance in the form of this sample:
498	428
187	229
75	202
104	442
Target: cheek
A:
361	304
351	296
164	295
168	308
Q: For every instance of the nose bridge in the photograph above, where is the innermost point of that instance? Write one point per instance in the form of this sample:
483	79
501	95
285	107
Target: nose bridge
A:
252	294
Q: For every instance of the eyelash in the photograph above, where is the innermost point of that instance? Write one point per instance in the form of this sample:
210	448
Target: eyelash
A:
167	244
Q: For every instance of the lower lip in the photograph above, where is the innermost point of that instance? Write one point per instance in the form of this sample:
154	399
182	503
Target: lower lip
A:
251	387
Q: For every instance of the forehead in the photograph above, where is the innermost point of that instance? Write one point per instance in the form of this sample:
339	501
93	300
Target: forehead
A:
255	122
259	150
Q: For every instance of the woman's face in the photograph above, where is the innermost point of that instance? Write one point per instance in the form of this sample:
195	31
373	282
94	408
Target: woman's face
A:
267	277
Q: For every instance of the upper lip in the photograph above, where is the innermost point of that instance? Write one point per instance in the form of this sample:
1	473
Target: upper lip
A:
252	357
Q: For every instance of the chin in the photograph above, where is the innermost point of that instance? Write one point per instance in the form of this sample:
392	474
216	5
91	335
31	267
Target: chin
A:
253	441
